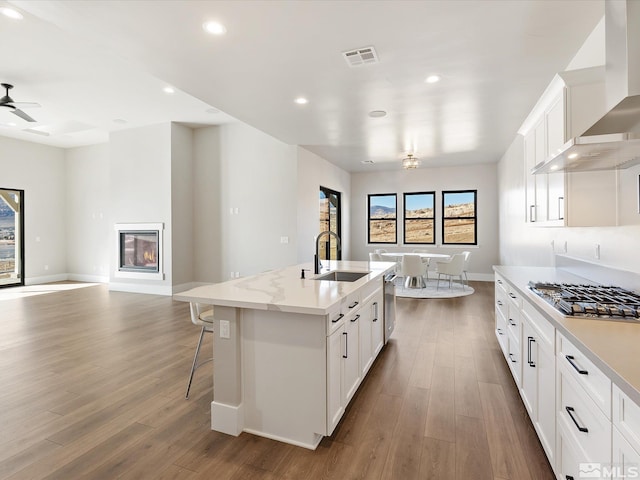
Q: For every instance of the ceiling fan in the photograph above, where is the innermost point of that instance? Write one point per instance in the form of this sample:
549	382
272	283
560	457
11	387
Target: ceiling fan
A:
8	102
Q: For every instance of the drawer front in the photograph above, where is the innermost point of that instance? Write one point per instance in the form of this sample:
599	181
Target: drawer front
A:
501	302
501	332
569	456
351	303
514	297
543	328
514	323
370	289
626	417
582	370
513	359
501	284
582	419
626	459
335	319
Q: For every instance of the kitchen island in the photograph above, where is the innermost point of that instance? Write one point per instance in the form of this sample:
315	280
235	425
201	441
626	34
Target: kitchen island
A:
290	352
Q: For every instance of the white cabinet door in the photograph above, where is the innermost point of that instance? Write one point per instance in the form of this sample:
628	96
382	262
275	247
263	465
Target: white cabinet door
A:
335	404
351	358
529	391
626	460
542	188
545	365
377	326
556	124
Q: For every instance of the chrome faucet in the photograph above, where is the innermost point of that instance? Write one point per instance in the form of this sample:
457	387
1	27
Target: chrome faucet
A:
317	266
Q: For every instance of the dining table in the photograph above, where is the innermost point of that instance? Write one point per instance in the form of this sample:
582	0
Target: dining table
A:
414	282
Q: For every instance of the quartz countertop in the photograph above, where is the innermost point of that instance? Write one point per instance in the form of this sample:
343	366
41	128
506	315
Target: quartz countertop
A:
283	290
611	345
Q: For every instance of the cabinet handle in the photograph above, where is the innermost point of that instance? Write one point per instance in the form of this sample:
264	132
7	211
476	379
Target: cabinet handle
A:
375	310
375	319
568	477
512	295
560	208
355	319
530	340
499	282
511	358
353	305
499	302
570	359
582	429
532	209
512	322
338	318
499	330
346	345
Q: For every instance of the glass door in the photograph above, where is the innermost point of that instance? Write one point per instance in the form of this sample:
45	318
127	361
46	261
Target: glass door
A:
11	237
329	220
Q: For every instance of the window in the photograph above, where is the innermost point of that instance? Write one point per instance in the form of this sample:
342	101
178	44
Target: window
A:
459	222
419	218
330	213
382	218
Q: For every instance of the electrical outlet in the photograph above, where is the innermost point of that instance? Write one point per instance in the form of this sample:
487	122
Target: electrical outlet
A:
284	239
225	329
231	275
597	251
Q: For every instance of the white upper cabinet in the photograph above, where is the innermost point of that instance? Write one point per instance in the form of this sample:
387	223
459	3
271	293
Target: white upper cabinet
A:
573	101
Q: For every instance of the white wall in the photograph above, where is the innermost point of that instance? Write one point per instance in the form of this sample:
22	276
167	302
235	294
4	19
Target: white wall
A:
182	216
140	192
314	172
258	178
39	170
89	225
477	177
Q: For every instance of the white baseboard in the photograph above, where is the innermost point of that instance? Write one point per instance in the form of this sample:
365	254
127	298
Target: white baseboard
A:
141	288
60	277
188	286
79	277
482	277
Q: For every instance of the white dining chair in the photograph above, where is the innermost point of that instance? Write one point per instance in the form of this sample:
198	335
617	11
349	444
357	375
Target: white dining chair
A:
452	268
375	257
413	271
425	260
202	316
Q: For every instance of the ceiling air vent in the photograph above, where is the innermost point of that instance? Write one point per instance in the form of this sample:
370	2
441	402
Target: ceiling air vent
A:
361	56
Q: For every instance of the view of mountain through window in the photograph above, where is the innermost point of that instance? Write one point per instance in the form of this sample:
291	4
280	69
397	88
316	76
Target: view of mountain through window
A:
459	224
382	218
419	218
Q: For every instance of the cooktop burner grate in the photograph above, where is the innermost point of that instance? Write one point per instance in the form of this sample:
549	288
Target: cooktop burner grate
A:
606	302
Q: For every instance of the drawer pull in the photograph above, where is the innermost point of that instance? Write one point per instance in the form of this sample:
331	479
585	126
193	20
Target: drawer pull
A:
568	477
512	295
582	429
512	322
500	281
511	358
346	345
570	359
499	302
338	318
530	340
355	319
353	305
499	330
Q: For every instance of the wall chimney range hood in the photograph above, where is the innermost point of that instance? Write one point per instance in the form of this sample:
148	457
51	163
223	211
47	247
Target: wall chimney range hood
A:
613	142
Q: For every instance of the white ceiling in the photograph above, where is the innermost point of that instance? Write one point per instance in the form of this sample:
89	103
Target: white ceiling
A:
89	63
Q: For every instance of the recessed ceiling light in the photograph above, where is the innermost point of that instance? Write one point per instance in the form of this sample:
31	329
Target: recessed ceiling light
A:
432	79
11	13
301	101
212	110
214	28
377	113
554	167
168	90
571	156
367	162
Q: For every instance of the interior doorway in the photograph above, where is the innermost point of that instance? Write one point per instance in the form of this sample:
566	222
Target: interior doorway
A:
11	237
330	219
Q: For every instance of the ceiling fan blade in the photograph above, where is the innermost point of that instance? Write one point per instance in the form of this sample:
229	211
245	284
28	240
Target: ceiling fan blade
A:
26	105
22	115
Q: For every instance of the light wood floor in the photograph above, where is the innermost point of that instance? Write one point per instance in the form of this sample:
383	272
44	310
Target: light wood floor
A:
92	386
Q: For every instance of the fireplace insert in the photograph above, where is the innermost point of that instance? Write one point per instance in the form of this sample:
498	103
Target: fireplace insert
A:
139	251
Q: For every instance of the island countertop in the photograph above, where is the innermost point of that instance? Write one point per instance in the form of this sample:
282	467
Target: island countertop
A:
283	289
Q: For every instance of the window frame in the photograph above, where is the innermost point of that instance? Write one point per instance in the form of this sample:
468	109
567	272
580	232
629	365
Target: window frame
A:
474	217
405	218
369	219
329	239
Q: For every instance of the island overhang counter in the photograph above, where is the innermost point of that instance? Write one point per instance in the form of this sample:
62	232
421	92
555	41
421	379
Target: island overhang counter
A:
290	352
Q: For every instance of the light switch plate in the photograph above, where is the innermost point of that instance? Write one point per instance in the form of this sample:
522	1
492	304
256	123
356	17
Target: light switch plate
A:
224	329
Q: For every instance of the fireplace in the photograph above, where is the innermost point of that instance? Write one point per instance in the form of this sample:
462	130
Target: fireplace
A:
139	250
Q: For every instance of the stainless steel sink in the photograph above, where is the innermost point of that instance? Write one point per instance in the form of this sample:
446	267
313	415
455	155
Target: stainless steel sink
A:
337	276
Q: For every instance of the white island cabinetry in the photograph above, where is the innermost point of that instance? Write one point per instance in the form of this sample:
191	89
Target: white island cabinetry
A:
297	352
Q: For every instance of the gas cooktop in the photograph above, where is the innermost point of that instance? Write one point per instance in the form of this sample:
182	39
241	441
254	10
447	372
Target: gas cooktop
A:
605	302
